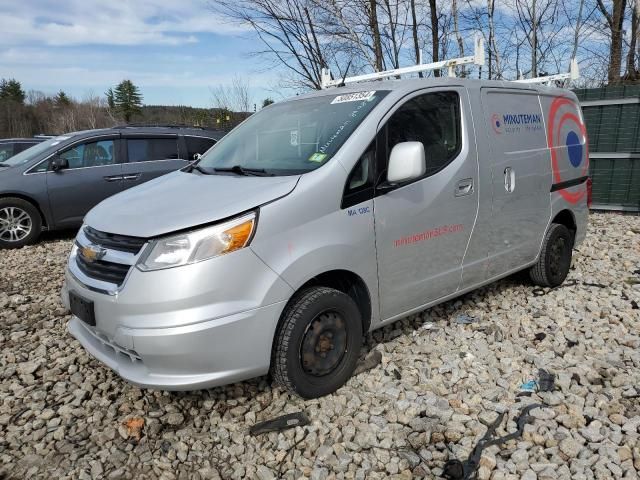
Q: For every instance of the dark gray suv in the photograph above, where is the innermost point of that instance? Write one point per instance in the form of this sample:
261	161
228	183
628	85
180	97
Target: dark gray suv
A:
55	183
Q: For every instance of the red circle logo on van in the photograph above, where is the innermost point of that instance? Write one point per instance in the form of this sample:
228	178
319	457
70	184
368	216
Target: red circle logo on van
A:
565	132
496	123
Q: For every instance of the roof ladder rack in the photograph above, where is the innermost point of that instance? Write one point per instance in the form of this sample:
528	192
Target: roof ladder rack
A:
476	59
574	74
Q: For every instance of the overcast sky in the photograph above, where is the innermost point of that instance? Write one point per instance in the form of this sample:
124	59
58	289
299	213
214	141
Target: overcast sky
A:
173	50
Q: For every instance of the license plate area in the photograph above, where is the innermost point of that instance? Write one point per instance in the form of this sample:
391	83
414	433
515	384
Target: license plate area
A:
82	308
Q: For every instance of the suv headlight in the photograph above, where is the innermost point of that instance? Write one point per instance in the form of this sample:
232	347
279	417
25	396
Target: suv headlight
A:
197	245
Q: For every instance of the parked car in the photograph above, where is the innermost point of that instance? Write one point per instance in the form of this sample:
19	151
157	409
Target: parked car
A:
323	217
54	184
12	146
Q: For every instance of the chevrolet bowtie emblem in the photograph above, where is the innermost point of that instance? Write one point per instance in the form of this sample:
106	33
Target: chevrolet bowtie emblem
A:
92	253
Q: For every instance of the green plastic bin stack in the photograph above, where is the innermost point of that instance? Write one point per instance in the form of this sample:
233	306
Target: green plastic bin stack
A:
613	127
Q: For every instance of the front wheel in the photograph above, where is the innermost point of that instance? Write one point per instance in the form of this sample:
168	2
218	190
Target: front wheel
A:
20	223
318	342
554	262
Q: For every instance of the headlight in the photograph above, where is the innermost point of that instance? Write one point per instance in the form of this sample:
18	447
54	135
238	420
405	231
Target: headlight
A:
198	245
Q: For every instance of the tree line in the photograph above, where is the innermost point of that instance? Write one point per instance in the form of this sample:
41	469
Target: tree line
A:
525	38
23	114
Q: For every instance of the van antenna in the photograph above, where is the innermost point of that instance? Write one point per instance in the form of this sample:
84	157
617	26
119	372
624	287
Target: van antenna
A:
476	59
346	70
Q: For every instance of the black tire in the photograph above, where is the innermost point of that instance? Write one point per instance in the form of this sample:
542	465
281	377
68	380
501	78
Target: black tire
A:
30	217
314	317
554	261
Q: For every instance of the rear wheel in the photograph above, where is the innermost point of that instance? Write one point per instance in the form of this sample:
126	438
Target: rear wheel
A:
554	262
20	223
318	342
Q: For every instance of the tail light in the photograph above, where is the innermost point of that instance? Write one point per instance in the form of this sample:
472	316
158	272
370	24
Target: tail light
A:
589	192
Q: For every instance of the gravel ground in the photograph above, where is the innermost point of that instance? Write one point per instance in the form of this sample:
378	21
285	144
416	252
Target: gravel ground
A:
440	383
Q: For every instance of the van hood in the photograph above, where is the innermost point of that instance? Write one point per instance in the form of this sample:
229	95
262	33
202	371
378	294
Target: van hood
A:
183	200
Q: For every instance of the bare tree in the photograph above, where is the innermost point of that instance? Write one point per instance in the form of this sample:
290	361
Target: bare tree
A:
456	30
372	17
632	71
615	22
414	31
435	44
494	57
232	102
288	32
534	16
394	29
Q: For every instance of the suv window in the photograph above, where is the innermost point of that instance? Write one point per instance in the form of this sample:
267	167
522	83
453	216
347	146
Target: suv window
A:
149	149
434	120
6	151
21	147
92	154
198	145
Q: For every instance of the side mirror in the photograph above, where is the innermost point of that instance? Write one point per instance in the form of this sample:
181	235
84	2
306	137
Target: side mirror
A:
58	164
197	156
407	161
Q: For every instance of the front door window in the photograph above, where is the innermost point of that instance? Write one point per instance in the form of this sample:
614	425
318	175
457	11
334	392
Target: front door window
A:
92	154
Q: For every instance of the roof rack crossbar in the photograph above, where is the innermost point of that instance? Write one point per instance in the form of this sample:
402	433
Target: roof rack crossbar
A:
573	74
159	125
476	59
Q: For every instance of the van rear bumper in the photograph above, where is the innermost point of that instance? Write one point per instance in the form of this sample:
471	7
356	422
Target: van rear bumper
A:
208	354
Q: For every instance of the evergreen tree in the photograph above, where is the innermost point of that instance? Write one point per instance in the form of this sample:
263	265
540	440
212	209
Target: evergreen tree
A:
12	90
127	99
266	102
62	99
110	99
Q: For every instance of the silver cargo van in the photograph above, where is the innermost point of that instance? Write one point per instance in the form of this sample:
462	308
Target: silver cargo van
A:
323	217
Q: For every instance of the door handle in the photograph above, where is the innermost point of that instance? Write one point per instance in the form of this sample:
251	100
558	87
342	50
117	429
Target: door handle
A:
464	187
509	179
113	178
133	176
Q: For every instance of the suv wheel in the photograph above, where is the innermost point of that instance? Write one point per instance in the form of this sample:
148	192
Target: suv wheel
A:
554	261
20	223
318	342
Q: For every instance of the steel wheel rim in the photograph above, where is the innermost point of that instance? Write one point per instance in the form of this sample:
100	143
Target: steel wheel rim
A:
324	344
15	224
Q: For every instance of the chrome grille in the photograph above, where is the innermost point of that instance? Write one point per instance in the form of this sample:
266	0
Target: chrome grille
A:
103	271
114	241
102	261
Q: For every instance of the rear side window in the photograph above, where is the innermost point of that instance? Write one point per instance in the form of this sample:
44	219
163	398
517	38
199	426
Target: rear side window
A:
6	151
23	146
434	120
93	154
198	145
149	149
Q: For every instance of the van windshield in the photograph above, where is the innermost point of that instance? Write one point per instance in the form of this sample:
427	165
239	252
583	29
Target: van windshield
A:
292	137
33	152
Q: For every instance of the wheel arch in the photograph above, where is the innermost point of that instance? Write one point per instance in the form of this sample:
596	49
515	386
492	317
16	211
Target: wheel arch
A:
32	201
344	281
566	217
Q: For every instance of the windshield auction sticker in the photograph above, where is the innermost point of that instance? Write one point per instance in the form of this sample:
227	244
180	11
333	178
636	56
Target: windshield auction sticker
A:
353	97
317	157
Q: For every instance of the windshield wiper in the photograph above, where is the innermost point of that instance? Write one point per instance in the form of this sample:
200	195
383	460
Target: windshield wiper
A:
237	169
195	166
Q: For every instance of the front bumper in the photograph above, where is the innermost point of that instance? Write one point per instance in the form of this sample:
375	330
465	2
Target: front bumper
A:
205	355
187	328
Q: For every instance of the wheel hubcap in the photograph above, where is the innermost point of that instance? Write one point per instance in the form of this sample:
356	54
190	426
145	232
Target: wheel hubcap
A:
15	224
324	344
